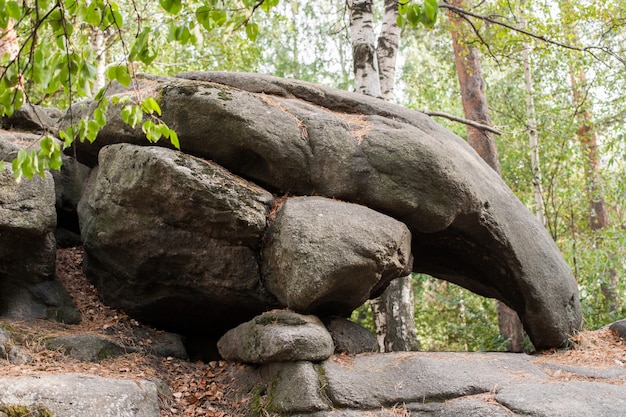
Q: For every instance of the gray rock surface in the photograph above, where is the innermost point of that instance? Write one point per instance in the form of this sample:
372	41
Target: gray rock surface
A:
86	347
567	399
68	183
325	256
303	139
350	337
8	145
374	381
172	239
438	384
295	387
277	336
30	117
78	395
616	372
11	352
28	288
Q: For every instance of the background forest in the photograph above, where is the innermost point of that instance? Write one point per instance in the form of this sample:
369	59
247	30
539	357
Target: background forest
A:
555	76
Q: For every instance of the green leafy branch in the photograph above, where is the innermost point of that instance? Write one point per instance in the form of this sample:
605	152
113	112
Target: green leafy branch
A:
51	63
413	14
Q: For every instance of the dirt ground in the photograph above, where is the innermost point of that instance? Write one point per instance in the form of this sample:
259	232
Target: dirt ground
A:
214	389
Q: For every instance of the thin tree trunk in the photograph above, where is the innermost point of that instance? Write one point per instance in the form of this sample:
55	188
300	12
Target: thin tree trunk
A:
533	137
589	144
474	98
393	311
366	79
387	50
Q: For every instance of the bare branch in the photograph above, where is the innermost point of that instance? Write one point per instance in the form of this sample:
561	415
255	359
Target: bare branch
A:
587	49
462	120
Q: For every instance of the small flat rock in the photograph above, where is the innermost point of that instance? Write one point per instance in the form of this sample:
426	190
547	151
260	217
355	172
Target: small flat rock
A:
86	347
279	336
350	337
619	327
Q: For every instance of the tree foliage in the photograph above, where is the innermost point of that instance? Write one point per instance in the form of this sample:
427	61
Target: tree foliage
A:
58	65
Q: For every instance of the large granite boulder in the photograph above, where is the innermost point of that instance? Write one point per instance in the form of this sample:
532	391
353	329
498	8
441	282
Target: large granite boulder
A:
182	243
172	240
324	256
302	139
68	183
28	288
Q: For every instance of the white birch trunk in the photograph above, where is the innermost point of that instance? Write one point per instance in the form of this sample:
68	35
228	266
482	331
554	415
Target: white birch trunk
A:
366	79
387	50
394	317
393	312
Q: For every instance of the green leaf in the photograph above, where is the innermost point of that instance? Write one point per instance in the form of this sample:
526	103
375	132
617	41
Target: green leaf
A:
414	14
174	139
252	30
119	100
218	16
430	13
183	34
132	115
120	74
1	166
113	17
100	117
203	15
14	10
171	6
268	4
150	106
92	130
47	145
152	133
94	13
140	49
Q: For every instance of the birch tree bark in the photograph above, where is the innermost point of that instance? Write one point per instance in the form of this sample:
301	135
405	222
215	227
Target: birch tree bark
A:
365	64
374	74
387	50
474	98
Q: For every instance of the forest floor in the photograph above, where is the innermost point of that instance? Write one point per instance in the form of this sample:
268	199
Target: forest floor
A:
213	389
